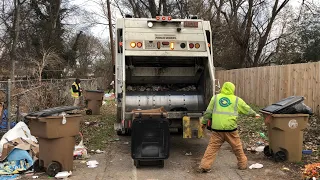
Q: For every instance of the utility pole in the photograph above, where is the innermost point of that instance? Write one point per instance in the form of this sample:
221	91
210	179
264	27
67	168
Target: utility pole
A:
111	36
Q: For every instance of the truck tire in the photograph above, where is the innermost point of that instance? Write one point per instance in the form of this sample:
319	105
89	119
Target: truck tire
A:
161	164
136	163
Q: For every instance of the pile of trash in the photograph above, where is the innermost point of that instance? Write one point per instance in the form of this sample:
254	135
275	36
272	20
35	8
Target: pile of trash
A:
19	150
170	87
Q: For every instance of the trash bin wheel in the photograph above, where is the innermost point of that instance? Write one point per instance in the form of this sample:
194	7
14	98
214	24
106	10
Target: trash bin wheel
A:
126	132
89	112
267	151
136	163
53	169
36	166
161	164
280	156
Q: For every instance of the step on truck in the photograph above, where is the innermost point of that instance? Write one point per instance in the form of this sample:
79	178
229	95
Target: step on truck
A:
165	65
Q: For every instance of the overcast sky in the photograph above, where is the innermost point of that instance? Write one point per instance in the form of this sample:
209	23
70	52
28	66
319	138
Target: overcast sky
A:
101	31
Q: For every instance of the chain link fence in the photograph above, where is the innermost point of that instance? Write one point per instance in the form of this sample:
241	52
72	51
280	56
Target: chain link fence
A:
21	97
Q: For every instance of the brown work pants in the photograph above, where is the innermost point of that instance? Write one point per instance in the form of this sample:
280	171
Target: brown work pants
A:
216	141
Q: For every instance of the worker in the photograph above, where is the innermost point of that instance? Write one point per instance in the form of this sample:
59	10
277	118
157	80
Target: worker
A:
76	92
223	112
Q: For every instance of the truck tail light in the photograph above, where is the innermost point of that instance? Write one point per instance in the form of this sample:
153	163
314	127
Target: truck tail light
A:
133	44
169	18
139	44
163	18
158	18
197	46
191	45
158	45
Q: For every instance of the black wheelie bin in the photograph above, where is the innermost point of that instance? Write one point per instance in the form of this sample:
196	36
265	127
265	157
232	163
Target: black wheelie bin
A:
150	139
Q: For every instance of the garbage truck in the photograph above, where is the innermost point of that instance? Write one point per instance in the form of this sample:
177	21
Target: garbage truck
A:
162	63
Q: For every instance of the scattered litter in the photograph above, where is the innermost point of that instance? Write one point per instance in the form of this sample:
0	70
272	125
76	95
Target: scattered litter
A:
11	177
260	149
35	177
312	171
92	150
111	161
87	123
99	151
286	169
256	166
307	152
188	154
175	162
260	143
80	151
188	171
263	135
64	174
92	164
83	162
120	159
112	140
126	143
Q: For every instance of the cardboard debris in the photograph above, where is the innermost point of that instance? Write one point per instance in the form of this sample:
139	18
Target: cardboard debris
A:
20	143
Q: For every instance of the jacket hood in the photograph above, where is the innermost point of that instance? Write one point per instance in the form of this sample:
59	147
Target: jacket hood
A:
228	88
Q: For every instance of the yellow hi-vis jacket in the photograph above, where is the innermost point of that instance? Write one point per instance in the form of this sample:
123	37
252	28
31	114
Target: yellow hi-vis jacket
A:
224	108
75	94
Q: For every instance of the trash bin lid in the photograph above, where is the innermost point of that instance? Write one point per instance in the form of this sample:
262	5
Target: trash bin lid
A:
283	104
51	111
97	91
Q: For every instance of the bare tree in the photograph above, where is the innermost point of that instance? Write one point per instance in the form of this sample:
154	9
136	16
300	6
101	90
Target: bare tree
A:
49	58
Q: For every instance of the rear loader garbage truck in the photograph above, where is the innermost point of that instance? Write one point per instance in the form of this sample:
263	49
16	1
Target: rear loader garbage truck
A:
164	80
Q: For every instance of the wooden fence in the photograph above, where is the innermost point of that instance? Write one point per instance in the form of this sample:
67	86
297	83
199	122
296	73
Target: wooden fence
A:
263	86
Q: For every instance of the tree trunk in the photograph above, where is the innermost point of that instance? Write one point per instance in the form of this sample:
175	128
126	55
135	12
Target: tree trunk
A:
111	35
152	8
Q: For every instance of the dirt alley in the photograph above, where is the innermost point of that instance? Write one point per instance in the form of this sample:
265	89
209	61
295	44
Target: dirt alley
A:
116	163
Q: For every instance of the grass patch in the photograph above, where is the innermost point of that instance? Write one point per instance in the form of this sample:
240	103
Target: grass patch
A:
98	129
250	128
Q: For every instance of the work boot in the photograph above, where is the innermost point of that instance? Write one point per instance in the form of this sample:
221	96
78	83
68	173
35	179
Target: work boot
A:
201	170
242	167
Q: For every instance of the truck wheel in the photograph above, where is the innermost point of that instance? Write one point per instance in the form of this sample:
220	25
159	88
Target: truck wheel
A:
136	163
161	164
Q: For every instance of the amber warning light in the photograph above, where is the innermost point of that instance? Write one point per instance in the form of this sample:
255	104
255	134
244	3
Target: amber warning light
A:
171	45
